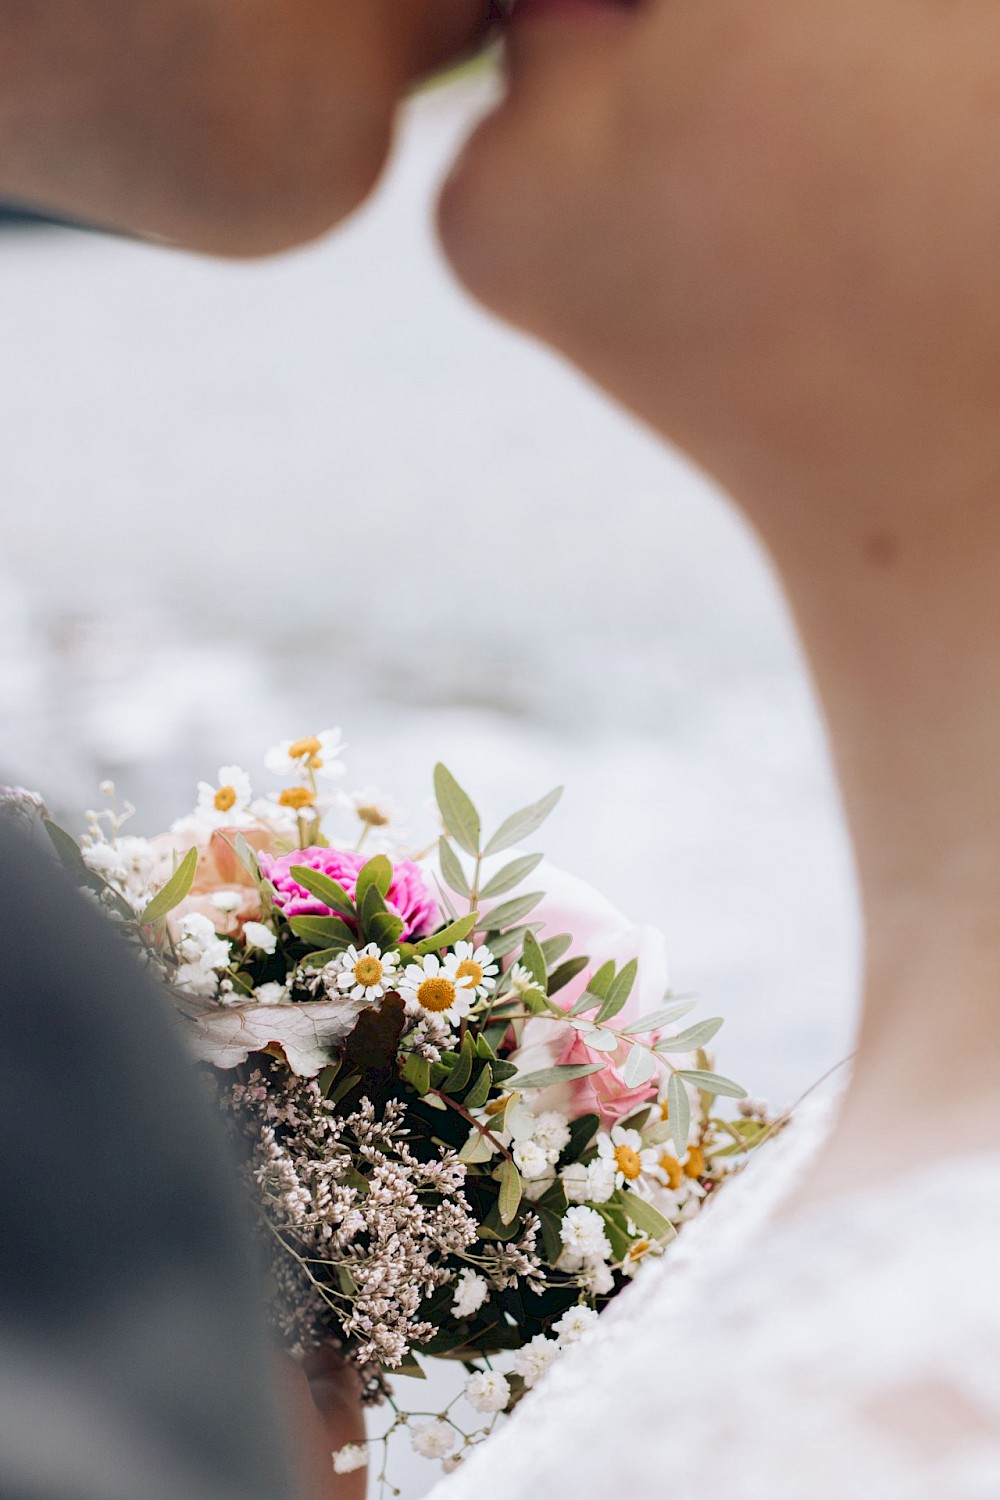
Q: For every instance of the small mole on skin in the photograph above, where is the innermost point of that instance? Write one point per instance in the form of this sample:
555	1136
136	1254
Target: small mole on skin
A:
881	548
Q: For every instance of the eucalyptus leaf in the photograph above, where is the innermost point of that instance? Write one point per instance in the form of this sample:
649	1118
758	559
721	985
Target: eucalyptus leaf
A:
462	1070
566	972
523	824
68	851
503	944
619	991
173	893
713	1083
658	1018
639	1067
561	1073
321	932
556	947
602	1041
451	869
376	874
330	892
597	990
511	912
322	956
511	875
679	1106
448	936
480	1090
695	1037
510	1192
457	810
648	1220
476	1149
417	1072
534	960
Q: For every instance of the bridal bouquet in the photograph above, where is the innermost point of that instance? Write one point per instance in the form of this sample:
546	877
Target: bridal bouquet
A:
470	1110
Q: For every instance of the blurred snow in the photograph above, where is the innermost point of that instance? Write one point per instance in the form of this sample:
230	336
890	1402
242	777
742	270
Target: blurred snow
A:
242	502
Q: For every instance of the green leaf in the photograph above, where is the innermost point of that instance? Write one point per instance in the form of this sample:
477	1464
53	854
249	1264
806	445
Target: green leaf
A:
556	947
503	1072
417	1072
376	874
344	1087
409	1368
510	1192
510	912
384	928
561	1073
480	1090
597	990
68	851
321	957
713	1083
462	1071
693	1038
618	992
566	973
246	854
476	1149
330	892
502	944
581	1135
326	1078
648	1220
321	932
533	959
448	936
451	869
511	875
639	1068
679	1106
601	1041
457	811
173	892
658	1018
372	904
523	824
615	1230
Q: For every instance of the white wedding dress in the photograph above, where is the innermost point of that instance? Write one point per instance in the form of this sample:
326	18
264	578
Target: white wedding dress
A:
848	1352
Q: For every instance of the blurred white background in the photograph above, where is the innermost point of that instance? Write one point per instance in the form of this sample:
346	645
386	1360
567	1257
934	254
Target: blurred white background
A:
247	502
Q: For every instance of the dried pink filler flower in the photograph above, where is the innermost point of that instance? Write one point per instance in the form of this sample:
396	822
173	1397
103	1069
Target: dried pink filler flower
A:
408	896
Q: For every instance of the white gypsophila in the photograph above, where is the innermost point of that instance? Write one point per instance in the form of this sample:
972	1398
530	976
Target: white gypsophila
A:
351	1457
471	1291
576	1182
432	1439
582	1233
203	952
552	1134
228	902
601	1180
487	1391
224	804
475	968
127	863
366	973
316	755
256	935
597	1278
272	993
431	986
536	1187
531	1160
533	1360
574	1324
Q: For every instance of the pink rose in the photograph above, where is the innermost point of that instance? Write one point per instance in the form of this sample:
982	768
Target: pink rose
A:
602	932
407	897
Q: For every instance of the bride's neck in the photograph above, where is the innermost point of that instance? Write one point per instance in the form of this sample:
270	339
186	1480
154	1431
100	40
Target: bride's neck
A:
899	611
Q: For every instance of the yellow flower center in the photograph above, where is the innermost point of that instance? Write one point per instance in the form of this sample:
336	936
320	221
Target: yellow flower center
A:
639	1249
664	1110
436	993
695	1164
225	798
628	1162
469	969
372	815
673	1169
305	749
497	1106
368	970
297	797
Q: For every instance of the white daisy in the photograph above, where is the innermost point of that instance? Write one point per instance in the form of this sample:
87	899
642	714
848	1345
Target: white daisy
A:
225	804
475	969
431	985
371	806
640	1251
623	1149
366	973
520	979
316	754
